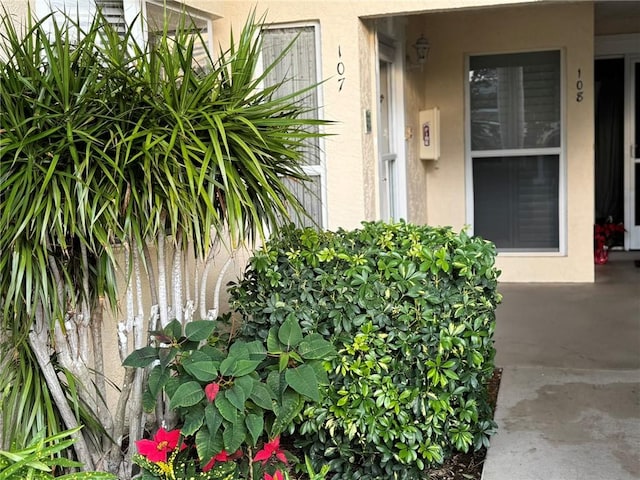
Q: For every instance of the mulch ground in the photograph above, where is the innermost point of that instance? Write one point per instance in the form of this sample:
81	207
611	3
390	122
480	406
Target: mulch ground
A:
468	466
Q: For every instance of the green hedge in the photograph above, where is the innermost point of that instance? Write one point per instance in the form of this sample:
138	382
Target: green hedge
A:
411	311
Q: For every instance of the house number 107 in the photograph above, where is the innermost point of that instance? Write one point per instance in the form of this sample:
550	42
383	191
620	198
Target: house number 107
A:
340	69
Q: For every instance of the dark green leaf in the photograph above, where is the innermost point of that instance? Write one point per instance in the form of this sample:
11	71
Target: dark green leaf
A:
273	344
141	358
226	408
202	371
173	330
198	330
255	425
315	347
208	445
213	418
234	435
187	395
158	378
238	364
303	380
262	396
192	421
290	407
290	333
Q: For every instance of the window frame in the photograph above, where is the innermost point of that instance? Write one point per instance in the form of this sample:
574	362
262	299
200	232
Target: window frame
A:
133	11
319	169
173	8
560	151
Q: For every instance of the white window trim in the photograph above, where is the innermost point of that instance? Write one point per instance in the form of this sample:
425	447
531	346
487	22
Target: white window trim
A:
560	151
135	7
312	170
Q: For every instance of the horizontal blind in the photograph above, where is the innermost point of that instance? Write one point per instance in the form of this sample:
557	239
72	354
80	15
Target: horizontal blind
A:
83	11
309	194
297	70
294	71
113	11
516	201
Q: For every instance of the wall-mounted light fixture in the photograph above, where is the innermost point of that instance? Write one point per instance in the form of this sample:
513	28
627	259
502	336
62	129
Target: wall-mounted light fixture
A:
422	52
422	49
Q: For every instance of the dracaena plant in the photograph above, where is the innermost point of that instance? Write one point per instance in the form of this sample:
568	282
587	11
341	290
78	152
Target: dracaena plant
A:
42	459
114	152
233	399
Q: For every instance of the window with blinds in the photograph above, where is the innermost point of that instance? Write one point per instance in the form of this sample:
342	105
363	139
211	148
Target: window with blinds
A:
83	11
299	69
185	20
123	14
515	137
113	11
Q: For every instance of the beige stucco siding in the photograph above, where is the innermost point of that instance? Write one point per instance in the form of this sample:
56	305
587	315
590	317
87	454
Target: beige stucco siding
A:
352	176
453	36
436	190
347	198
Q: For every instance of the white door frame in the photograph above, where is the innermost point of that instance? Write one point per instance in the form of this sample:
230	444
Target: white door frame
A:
631	154
387	52
626	45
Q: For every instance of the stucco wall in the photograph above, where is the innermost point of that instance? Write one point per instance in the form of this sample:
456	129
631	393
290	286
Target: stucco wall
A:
436	190
418	170
17	8
437	193
348	203
351	172
453	36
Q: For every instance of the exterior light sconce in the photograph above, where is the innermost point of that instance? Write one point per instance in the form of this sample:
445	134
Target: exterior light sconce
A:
422	51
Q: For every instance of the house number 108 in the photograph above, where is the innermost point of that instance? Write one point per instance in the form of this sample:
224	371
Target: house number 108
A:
579	87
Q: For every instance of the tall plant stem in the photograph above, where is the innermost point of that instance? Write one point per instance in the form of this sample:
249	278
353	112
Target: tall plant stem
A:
216	293
39	343
98	362
176	279
203	282
162	279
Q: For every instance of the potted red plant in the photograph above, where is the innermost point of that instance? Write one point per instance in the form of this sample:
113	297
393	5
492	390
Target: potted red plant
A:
604	237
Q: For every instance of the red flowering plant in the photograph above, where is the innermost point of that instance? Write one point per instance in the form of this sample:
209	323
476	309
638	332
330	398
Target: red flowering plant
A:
157	456
229	396
605	234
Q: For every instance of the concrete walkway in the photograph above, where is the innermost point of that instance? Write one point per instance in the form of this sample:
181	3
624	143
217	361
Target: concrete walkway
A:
569	401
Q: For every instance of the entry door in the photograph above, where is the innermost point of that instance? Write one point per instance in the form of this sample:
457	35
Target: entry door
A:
633	151
388	156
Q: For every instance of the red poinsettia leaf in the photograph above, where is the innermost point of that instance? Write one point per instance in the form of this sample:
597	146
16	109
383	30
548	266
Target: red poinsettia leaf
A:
277	475
149	449
263	455
209	465
211	391
270	448
171	438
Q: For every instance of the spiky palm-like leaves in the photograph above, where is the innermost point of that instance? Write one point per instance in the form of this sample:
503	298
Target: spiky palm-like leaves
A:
107	142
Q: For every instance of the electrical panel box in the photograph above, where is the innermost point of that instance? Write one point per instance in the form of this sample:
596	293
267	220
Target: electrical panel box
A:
430	134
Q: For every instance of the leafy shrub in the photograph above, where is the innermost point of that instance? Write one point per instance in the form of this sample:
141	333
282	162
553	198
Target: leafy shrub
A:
411	311
230	397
